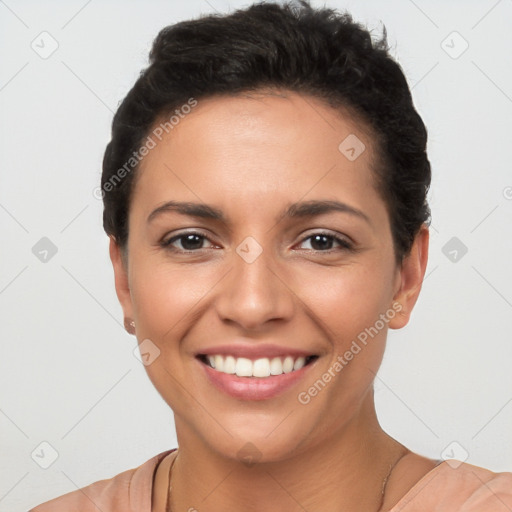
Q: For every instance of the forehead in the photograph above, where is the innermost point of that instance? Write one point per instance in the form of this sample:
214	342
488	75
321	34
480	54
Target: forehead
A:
259	150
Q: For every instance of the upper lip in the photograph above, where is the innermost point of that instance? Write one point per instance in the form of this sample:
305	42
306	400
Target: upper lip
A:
254	351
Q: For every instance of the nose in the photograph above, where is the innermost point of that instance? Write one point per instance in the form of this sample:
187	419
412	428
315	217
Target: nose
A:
254	292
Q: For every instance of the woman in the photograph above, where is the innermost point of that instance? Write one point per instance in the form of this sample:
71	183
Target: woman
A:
265	197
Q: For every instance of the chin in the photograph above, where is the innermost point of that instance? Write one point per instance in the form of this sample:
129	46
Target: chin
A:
252	444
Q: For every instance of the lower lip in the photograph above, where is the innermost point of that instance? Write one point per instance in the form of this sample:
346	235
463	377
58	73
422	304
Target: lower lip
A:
254	388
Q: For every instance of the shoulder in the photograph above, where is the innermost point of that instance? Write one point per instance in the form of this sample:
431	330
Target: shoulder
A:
129	490
454	485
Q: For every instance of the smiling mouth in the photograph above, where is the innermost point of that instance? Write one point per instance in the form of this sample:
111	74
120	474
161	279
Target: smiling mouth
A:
259	368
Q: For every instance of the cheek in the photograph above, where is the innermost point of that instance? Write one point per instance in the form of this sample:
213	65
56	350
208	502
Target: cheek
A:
166	297
167	300
347	303
345	300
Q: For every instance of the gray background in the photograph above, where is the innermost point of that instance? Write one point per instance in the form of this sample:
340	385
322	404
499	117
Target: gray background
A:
67	369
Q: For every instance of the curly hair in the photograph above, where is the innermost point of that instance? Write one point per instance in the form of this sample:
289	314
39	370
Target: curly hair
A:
319	52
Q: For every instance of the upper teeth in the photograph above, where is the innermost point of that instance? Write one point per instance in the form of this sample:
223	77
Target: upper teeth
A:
263	367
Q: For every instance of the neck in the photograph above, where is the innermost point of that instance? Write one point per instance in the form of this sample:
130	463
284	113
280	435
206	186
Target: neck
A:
347	471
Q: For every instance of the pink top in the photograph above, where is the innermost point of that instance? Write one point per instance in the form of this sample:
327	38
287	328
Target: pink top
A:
465	488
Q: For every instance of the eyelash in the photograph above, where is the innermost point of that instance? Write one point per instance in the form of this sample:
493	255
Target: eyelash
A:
166	244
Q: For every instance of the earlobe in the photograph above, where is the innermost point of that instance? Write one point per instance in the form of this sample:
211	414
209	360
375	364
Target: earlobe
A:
122	285
410	279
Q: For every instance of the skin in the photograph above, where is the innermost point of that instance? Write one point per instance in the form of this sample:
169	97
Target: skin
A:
251	157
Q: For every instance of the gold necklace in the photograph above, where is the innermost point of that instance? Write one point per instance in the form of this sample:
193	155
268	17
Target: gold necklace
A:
383	494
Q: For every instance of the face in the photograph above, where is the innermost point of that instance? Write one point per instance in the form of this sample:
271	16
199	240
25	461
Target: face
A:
261	274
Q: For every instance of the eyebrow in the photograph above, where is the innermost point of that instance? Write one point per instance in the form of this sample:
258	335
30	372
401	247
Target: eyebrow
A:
301	209
318	207
188	208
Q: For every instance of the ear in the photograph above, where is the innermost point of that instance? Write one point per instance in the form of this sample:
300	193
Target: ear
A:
410	278
121	278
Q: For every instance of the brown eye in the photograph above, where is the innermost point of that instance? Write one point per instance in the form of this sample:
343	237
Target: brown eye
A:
190	242
323	242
